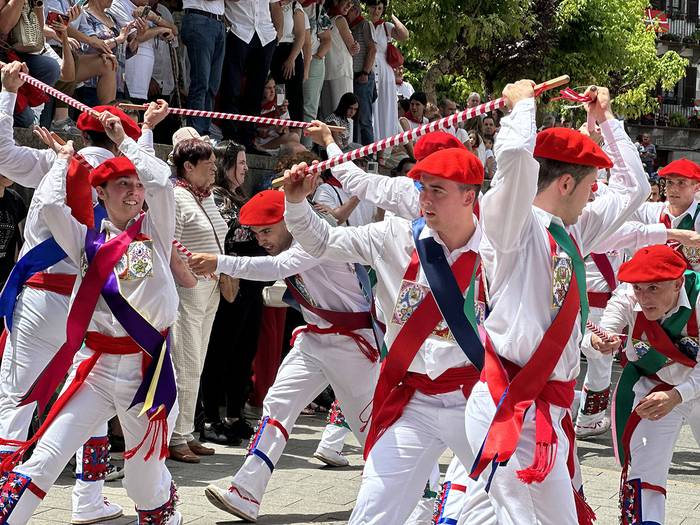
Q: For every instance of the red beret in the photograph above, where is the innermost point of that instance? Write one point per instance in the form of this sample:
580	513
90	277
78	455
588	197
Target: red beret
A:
263	209
681	168
456	164
653	264
87	122
570	146
433	142
111	169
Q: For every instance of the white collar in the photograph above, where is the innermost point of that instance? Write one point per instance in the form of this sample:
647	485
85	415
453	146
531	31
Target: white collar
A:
547	218
472	244
690	211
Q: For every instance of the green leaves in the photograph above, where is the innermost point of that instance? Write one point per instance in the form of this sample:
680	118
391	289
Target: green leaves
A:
457	46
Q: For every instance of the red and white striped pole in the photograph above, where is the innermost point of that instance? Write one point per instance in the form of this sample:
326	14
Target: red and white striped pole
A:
413	134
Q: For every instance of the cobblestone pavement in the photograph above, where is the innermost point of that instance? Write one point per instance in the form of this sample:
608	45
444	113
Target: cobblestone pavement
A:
302	491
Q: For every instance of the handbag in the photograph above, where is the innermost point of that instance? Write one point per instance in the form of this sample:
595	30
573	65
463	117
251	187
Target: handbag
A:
27	35
228	286
393	56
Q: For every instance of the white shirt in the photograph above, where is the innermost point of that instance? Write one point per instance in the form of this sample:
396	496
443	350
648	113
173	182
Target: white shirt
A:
404	90
288	14
155	296
331	285
622	312
215	7
397	195
632	235
248	17
387	247
515	250
334	197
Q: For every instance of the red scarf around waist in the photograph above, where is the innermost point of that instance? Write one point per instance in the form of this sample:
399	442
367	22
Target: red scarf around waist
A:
390	411
598	299
367	349
60	283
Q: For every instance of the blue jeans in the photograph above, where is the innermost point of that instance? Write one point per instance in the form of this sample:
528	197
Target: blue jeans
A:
41	67
205	39
366	94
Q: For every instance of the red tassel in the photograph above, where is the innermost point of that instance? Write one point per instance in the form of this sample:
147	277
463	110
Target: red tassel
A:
584	512
542	465
157	429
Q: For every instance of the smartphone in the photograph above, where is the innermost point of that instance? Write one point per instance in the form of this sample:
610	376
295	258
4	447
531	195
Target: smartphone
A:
81	3
55	17
146	11
372	167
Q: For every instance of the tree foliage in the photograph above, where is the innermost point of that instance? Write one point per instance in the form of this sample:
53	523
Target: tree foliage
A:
458	45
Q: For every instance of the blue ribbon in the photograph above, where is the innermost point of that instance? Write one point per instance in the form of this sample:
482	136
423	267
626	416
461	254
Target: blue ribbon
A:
141	331
42	256
447	294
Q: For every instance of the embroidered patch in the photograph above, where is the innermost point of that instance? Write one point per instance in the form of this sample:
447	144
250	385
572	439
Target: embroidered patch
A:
303	290
411	294
336	416
137	262
480	307
562	272
640	348
691	254
12	486
689	346
95	462
162	514
631	502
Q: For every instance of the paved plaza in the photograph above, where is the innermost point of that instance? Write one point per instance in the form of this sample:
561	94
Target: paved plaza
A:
302	491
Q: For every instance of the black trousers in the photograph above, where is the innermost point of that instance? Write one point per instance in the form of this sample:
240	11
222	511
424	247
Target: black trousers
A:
293	87
246	67
226	378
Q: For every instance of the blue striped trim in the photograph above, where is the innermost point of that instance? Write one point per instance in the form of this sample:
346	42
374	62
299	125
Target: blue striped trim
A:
264	457
448	521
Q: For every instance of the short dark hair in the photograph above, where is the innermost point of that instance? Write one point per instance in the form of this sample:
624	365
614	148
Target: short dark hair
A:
491	117
419	96
403	162
405	104
99	139
192	150
347	100
551	170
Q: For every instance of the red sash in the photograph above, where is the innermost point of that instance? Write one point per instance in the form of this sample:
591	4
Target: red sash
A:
60	283
367	349
403	350
661	342
598	299
528	385
603	263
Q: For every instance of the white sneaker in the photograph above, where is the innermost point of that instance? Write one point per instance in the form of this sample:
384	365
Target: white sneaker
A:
331	457
589	426
109	511
234	502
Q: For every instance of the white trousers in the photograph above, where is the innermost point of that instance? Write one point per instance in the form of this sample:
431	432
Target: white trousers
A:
402	458
651	448
190	339
548	503
38	331
333	437
452	503
108	390
314	361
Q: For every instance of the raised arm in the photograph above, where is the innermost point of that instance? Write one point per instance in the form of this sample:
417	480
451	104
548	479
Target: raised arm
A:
398	195
21	164
50	203
507	207
628	186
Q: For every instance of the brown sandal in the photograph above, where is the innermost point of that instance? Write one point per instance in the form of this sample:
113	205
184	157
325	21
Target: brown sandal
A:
183	454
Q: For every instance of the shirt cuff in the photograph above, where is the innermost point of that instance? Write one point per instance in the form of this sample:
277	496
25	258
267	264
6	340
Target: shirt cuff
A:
657	233
222	265
7	102
333	149
686	391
